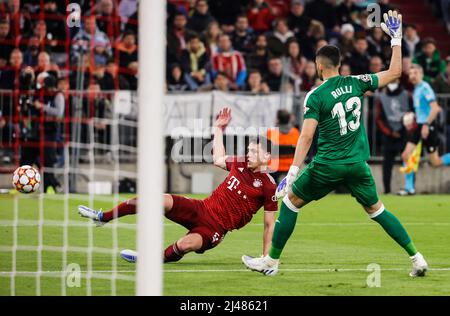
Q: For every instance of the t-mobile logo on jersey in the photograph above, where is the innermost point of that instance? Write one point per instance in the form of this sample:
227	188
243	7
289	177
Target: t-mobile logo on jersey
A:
233	183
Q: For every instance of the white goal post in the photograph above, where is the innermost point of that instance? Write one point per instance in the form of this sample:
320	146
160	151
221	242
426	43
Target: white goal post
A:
152	30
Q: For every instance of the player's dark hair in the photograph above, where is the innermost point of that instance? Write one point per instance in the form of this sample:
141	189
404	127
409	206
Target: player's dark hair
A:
265	143
428	40
283	117
330	53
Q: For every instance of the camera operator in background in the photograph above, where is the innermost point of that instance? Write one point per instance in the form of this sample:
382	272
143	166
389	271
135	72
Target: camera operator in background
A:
42	123
393	103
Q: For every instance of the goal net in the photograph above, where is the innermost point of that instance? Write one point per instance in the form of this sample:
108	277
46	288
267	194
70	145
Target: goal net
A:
87	153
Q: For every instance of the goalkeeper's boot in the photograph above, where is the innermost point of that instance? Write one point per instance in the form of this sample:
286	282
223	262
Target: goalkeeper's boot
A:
420	266
95	215
264	265
129	255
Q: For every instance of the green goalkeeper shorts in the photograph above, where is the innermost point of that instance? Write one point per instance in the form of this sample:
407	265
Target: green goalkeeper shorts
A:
317	180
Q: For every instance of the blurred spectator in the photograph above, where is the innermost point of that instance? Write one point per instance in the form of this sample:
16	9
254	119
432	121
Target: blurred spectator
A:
277	41
195	64
445	8
9	78
6	42
201	18
411	44
176	81
345	41
442	82
274	79
316	32
359	59
243	37
211	38
259	57
40	30
294	63
404	78
376	65
345	11
322	11
109	77
221	83
430	60
378	44
309	77
260	16
19	19
44	64
126	9
32	51
230	62
108	20
345	70
384	5
321	42
392	105
93	41
56	32
255	84
127	50
226	11
298	22
133	22
177	38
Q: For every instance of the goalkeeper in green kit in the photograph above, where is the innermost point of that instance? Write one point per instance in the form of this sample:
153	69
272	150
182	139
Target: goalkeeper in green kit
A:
335	107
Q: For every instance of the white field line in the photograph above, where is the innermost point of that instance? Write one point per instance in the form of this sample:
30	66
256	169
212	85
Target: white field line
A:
55	223
101	273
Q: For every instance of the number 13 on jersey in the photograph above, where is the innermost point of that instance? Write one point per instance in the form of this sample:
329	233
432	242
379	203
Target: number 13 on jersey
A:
353	104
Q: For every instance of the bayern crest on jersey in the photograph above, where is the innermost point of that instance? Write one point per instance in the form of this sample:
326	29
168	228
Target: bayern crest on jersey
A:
257	183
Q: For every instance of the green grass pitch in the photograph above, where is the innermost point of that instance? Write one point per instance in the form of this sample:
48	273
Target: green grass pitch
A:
328	253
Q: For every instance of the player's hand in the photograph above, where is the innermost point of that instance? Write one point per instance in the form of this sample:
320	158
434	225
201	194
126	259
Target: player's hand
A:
286	184
223	118
392	26
425	131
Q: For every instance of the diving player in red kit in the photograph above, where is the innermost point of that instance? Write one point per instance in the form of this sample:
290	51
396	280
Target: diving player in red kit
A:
247	188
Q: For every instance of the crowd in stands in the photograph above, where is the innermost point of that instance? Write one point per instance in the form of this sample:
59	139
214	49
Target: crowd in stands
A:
271	44
244	42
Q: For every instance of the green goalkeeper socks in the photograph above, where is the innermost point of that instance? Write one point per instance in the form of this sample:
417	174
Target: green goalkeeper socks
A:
284	227
395	229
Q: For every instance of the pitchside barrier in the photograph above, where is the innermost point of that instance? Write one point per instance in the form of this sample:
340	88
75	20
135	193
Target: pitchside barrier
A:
98	128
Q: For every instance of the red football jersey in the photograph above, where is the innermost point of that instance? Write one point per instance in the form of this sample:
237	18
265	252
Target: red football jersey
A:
241	195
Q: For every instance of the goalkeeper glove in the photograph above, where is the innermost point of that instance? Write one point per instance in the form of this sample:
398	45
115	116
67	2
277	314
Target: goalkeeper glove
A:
392	26
286	184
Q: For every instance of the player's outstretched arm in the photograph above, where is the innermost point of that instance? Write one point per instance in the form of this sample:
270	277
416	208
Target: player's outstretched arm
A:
219	155
303	144
393	27
269	225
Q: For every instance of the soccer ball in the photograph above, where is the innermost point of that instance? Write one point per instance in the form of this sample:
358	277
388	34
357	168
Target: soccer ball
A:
26	179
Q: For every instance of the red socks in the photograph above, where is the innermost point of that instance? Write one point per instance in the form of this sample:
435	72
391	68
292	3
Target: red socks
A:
123	209
172	253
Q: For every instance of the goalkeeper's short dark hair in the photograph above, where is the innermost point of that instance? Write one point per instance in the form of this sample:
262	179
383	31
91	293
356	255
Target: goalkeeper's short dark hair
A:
331	53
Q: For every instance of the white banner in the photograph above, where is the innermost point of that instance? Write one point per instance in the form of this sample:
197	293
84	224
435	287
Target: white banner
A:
194	113
186	113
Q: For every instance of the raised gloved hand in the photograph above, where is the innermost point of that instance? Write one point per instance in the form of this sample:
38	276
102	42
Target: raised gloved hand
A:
392	26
